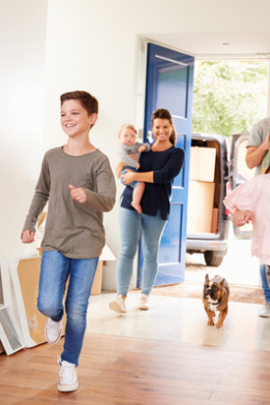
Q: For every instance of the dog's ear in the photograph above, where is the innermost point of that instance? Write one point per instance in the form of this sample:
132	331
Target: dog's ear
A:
206	278
222	281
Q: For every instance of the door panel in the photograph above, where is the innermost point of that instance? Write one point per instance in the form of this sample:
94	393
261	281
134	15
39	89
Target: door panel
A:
240	174
180	179
169	84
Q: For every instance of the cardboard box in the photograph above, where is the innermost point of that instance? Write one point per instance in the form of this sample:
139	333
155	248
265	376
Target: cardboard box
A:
200	206
217	178
97	283
106	255
214	226
32	321
1	348
202	164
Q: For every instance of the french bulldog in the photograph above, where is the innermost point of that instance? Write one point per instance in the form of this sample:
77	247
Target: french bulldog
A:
215	298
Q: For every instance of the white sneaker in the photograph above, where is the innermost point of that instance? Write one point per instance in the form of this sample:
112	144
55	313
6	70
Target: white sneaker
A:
265	311
143	302
68	376
53	331
118	305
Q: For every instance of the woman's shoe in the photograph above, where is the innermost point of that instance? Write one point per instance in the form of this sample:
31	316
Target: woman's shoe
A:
118	305
143	302
265	310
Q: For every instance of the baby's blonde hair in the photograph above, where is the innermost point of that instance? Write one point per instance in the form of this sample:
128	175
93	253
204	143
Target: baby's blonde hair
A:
127	126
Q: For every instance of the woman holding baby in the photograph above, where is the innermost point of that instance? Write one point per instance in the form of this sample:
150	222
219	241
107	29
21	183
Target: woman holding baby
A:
158	168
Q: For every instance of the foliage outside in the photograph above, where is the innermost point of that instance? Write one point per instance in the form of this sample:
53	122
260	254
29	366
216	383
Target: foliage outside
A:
229	97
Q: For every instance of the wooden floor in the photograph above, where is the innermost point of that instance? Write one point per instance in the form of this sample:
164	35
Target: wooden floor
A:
116	371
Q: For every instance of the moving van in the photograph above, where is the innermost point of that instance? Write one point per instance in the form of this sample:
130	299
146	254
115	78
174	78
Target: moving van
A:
215	169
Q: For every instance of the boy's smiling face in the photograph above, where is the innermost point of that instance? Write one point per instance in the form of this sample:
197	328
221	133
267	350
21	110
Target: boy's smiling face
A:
75	120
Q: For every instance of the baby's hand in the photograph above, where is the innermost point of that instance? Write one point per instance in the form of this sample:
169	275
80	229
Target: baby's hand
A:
142	149
134	156
245	217
138	166
78	194
28	237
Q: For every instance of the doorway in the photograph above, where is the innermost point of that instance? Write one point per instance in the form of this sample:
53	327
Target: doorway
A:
229	97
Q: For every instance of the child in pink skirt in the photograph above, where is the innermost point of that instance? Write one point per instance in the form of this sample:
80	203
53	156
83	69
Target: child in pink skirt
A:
250	202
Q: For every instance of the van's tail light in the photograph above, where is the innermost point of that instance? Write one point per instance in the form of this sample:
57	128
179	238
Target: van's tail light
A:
228	190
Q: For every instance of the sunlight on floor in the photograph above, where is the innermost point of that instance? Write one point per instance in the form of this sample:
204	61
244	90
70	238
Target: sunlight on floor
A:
180	320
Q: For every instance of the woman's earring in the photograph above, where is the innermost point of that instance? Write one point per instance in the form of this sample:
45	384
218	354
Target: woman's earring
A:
150	136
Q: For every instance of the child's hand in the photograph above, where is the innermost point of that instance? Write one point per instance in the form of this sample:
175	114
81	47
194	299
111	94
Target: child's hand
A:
244	217
138	166
78	194
142	149
134	156
28	237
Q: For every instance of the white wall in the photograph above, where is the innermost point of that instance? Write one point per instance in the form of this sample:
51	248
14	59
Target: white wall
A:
95	46
22	45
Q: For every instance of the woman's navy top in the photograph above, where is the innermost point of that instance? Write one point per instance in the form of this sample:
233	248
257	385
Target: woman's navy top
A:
166	165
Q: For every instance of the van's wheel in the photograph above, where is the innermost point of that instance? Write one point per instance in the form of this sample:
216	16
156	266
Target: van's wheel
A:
211	259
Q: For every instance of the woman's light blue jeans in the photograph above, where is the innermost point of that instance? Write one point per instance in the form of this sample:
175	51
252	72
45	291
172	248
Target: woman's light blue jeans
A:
131	224
265	286
55	269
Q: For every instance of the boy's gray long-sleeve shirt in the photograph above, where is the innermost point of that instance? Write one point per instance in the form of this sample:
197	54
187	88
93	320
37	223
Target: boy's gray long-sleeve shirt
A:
124	151
74	229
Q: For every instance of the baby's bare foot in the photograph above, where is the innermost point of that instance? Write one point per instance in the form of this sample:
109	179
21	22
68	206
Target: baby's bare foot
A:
137	207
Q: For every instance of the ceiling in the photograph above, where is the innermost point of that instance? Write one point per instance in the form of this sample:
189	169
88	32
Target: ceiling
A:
213	45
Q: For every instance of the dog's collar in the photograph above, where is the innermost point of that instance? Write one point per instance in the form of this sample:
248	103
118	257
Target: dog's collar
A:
216	303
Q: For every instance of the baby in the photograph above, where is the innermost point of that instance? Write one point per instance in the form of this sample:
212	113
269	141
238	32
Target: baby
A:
129	146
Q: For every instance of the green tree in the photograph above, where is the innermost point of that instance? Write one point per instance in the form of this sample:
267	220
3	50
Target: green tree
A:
229	97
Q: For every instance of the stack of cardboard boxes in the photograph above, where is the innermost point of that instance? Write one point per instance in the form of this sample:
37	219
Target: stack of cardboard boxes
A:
202	216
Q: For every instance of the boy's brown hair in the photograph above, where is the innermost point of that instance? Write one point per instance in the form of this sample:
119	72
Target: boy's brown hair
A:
89	103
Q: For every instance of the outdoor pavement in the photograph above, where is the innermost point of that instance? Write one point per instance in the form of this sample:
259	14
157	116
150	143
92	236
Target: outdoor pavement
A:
238	267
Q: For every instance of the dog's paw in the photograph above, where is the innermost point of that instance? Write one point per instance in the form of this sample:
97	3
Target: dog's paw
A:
211	323
219	324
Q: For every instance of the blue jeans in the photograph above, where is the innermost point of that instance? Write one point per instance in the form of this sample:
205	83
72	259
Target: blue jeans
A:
131	224
265	286
54	272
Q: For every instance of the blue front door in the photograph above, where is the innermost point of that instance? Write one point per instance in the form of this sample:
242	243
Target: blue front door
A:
169	84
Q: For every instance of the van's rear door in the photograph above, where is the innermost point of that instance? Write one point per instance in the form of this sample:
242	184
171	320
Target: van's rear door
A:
239	174
220	179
